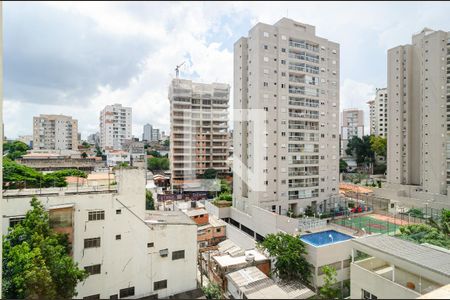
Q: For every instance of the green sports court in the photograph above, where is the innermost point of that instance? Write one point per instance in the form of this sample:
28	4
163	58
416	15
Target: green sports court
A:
370	224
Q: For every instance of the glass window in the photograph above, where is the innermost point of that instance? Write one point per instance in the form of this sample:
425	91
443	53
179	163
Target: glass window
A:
127	292
159	285
96	215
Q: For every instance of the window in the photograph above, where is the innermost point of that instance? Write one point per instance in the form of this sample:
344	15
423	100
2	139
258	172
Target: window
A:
118	237
266	34
266	47
159	285
149	245
218	230
118	211
15	220
96	215
126	292
94	269
92	243
367	295
92	297
283	49
114	297
266	59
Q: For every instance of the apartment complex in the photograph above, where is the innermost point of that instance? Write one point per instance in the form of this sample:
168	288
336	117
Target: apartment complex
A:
379	113
286	130
198	130
147	133
128	251
55	132
352	125
155	135
115	126
418	151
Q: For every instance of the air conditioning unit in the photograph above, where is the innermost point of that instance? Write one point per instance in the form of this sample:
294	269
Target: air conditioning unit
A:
164	252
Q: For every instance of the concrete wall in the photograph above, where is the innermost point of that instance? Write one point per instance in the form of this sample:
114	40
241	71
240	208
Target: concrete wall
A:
376	285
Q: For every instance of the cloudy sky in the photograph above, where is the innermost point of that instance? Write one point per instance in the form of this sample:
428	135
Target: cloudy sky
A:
75	58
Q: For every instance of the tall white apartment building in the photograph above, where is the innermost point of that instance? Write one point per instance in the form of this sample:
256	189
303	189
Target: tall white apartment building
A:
352	125
128	251
155	135
286	119
198	130
55	132
115	126
147	134
418	150
379	113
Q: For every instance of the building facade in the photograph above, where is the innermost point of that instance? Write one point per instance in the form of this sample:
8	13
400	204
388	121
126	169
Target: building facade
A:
286	114
55	132
127	251
352	125
155	135
147	133
115	126
198	132
380	113
418	136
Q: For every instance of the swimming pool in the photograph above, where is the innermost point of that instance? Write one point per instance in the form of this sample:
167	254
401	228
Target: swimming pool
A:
324	238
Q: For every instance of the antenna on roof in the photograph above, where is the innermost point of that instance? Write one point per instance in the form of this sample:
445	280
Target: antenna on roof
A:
177	69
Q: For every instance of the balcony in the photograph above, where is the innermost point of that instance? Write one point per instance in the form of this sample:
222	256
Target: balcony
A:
391	277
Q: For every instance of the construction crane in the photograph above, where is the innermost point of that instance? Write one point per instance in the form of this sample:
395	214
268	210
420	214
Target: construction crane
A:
177	69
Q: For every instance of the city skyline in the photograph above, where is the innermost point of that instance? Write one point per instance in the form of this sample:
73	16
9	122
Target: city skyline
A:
97	74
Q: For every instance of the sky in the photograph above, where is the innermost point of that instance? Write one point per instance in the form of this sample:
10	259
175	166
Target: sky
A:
74	58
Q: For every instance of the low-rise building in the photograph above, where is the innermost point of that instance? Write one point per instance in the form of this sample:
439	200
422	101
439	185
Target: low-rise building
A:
127	251
252	283
388	267
229	258
212	233
115	157
53	161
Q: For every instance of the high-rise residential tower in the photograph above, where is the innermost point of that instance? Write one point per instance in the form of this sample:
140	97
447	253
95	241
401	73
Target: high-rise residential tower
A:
55	132
115	126
352	125
198	130
147	134
418	136
155	135
379	113
286	119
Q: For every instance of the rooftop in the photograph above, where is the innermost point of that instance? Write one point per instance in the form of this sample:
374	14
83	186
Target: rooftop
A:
433	259
168	217
195	212
256	285
228	260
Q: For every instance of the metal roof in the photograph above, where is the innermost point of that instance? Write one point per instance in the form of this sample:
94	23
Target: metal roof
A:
433	259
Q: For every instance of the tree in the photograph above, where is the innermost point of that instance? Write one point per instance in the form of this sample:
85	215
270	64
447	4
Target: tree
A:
15	149
329	290
154	153
149	202
378	145
423	233
212	291
84	155
167	143
36	260
86	144
210	173
289	252
361	149
19	176
443	224
342	165
158	163
98	151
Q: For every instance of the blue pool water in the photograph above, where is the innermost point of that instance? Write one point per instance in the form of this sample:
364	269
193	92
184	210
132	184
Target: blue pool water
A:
323	238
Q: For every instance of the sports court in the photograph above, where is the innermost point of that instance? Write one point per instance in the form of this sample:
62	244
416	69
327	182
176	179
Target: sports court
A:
374	223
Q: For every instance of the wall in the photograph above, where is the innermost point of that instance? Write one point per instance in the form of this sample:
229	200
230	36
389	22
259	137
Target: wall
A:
379	286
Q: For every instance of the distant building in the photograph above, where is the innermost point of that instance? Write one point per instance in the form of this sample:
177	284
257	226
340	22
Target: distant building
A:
115	126
127	251
147	133
27	139
94	139
55	132
379	113
59	161
352	125
155	135
115	157
137	152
